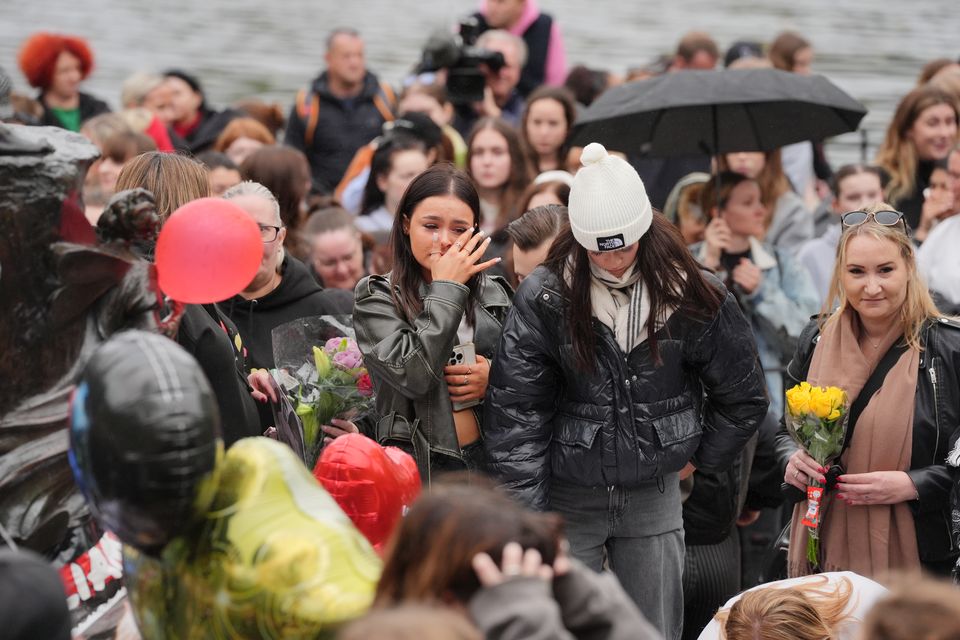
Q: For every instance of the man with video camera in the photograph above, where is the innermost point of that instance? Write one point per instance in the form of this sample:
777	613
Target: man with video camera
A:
500	97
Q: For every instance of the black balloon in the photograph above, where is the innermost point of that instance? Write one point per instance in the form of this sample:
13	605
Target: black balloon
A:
144	439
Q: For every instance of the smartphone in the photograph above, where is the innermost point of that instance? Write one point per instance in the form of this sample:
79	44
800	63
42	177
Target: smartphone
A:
464	354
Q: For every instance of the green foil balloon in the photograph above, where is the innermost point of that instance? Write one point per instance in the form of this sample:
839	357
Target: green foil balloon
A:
275	557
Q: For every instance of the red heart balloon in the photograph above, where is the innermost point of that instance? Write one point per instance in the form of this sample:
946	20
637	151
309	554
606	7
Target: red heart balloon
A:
208	250
372	484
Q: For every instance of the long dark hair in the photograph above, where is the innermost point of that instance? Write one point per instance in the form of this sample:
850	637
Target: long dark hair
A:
672	277
406	277
382	164
430	553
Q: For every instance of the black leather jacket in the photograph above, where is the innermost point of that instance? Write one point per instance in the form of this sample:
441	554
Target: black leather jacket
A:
936	427
628	422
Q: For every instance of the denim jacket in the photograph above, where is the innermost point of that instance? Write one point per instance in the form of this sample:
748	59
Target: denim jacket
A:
406	360
778	309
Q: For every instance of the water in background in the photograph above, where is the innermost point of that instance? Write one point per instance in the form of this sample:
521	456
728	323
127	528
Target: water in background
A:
247	48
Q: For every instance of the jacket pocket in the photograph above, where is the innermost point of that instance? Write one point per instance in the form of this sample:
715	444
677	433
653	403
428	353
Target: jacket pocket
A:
573	455
674	438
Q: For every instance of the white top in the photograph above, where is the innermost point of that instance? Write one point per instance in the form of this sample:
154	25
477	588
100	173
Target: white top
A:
865	593
818	256
797	162
378	221
939	260
464	331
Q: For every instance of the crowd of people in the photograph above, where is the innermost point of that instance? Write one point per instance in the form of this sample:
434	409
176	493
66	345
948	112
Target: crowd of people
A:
627	391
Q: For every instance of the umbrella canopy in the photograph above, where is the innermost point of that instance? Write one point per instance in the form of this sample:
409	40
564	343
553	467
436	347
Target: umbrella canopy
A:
710	112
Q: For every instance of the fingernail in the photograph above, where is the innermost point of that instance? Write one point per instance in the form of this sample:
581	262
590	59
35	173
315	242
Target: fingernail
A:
480	232
823	480
822	469
498	259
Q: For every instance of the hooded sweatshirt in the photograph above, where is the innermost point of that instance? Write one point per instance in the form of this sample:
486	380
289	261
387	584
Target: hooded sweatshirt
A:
297	296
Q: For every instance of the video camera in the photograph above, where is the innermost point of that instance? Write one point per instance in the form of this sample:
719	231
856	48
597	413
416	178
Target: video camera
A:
459	55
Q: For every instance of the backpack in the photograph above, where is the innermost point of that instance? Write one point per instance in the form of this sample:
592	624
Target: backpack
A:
308	108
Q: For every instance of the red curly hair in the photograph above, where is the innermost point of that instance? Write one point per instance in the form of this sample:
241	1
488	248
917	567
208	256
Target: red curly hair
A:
38	56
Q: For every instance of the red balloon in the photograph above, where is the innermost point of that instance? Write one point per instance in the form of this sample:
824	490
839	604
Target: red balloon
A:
208	250
374	485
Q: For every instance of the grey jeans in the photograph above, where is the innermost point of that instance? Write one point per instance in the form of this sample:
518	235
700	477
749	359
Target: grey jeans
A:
640	532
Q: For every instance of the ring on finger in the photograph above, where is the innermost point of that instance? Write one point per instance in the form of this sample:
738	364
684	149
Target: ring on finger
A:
796	474
458	245
511	571
464	380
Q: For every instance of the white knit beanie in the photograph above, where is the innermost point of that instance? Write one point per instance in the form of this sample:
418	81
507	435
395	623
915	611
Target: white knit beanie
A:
609	208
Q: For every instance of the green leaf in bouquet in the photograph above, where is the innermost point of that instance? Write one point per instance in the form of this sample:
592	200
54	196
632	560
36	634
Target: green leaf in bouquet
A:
328	406
311	424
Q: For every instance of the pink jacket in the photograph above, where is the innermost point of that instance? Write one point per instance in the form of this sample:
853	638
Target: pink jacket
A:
556	71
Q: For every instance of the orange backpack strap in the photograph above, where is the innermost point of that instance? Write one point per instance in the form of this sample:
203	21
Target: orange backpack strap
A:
386	102
309	113
361	162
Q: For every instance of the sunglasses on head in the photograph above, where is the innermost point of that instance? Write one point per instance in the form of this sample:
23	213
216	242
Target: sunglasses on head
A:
886	218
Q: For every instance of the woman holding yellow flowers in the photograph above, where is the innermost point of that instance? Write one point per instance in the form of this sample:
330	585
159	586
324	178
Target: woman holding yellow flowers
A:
889	510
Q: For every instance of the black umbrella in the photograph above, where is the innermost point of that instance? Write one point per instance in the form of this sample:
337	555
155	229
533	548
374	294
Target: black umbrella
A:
712	112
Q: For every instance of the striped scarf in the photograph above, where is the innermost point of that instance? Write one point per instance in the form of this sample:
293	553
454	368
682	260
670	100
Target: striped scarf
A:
620	305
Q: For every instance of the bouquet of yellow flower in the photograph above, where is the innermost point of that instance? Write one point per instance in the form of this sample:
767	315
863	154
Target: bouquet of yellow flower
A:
816	418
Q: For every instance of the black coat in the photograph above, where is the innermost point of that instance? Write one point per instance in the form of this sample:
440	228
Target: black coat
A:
297	296
89	107
911	204
343	126
630	421
210	337
212	123
537	39
936	427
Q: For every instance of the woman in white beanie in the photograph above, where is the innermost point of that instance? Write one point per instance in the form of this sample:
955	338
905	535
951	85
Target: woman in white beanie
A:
620	365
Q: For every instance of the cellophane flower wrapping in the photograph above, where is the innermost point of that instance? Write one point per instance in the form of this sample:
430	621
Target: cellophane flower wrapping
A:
816	417
320	368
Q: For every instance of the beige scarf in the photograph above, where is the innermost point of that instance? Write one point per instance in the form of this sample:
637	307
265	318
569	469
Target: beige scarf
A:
874	539
620	303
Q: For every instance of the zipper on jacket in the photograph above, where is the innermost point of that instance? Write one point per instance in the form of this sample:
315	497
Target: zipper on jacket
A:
936	406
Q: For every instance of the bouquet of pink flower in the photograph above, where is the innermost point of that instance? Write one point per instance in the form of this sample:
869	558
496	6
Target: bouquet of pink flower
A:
322	382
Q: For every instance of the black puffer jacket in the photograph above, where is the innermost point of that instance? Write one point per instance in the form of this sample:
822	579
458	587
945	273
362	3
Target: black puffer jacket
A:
629	422
936	428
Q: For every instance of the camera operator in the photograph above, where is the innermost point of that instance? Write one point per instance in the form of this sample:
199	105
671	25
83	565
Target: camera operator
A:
500	95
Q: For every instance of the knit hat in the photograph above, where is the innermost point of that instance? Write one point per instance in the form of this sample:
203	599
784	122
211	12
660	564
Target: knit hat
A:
609	208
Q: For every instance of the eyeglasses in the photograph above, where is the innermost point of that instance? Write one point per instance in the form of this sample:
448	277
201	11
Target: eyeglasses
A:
268	233
886	218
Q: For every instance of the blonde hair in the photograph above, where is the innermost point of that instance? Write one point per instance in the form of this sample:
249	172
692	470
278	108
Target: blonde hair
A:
174	180
898	155
918	306
812	610
137	86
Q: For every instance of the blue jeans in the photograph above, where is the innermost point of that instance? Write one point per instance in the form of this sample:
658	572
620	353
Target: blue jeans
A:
640	532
